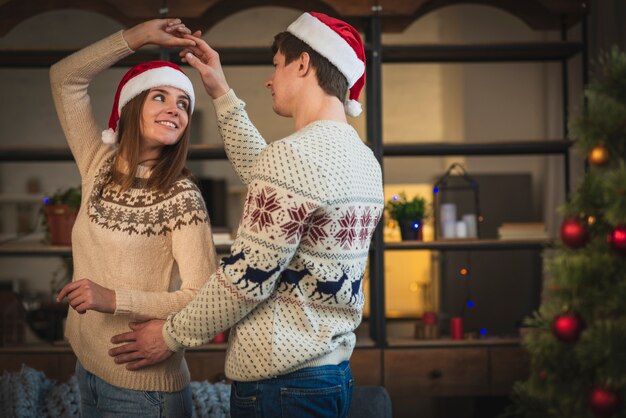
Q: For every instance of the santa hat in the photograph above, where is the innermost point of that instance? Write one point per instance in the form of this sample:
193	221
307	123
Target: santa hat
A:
140	78
340	44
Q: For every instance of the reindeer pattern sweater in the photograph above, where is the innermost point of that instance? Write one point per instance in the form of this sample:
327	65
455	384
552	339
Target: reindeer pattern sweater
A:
291	288
154	249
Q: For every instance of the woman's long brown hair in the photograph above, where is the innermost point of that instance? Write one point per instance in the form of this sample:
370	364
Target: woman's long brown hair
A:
171	163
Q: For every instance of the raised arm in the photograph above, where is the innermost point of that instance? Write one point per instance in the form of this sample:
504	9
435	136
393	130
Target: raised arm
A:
71	77
242	141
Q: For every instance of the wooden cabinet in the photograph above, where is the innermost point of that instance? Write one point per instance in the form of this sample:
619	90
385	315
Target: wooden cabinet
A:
55	362
507	365
426	378
205	362
436	372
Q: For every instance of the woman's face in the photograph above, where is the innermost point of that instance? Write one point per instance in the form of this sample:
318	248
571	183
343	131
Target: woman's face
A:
164	117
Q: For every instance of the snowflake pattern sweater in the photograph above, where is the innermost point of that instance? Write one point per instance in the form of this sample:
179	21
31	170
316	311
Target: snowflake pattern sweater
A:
291	288
154	249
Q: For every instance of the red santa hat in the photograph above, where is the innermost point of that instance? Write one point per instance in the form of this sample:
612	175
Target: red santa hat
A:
140	78
340	44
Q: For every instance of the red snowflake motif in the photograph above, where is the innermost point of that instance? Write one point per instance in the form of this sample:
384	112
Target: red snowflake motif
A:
364	233
316	231
266	203
246	208
293	228
376	218
347	233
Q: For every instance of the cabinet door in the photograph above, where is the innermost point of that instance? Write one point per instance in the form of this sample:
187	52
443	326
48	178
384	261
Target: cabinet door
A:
58	366
508	365
206	365
436	372
366	367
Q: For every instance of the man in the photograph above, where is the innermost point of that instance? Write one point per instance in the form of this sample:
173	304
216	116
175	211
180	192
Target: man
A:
291	289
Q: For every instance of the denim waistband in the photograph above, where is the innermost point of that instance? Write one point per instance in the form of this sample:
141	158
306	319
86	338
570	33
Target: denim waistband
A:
328	369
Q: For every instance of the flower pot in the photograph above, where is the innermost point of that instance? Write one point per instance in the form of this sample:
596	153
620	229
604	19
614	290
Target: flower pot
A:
60	220
410	230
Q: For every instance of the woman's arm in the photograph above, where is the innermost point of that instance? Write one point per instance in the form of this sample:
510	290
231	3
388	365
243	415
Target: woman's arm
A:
195	260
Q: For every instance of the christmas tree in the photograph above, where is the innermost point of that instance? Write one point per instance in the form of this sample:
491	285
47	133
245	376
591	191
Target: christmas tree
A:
577	339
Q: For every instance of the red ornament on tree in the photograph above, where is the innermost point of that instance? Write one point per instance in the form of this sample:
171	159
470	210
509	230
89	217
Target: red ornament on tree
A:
603	402
574	233
617	239
567	327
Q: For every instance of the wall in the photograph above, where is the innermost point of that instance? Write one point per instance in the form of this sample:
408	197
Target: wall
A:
421	102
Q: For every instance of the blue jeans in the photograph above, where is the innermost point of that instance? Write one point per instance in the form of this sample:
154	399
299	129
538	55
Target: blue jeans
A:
101	400
315	392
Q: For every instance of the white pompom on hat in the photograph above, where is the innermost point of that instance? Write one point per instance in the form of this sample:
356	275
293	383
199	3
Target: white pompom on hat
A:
143	77
340	44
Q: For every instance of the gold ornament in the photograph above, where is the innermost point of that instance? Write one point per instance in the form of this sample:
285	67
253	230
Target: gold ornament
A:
598	155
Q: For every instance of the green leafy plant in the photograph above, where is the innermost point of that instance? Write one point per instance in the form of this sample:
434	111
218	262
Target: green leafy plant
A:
400	208
59	213
70	197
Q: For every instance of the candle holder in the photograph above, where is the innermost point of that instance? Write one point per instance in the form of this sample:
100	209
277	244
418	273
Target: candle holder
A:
453	191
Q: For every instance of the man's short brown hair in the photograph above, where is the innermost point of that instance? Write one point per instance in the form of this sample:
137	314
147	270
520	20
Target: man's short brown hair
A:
328	76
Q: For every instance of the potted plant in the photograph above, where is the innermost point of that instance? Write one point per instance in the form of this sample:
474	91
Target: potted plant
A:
409	214
60	212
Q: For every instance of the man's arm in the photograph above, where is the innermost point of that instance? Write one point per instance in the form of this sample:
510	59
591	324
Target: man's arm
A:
275	216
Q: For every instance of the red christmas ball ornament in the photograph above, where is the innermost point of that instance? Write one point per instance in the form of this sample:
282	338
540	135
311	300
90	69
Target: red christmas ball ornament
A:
543	375
617	239
574	233
603	402
567	327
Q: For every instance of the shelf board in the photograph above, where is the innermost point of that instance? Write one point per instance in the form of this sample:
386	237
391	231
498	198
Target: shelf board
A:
235	56
34	198
498	52
30	249
469	244
36	153
449	343
62	153
36	58
555	146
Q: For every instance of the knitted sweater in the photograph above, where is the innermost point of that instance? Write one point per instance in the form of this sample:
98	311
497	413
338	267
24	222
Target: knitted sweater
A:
292	287
154	249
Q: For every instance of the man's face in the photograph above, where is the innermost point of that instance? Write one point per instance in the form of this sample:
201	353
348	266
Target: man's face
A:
281	85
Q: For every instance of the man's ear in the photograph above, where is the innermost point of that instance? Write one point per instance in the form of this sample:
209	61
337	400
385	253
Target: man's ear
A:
304	64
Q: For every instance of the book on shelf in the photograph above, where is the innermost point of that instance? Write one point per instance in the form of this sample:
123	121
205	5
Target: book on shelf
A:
522	230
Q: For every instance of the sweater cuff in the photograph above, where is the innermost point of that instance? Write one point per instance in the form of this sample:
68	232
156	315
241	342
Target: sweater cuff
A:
227	101
120	45
172	344
123	301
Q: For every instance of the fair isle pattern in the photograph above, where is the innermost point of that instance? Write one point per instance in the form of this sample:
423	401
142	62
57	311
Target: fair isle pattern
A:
292	286
141	211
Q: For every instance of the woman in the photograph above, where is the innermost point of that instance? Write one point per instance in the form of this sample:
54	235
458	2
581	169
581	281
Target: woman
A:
142	243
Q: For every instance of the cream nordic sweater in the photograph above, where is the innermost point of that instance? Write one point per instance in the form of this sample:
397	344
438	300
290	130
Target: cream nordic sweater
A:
292	286
155	250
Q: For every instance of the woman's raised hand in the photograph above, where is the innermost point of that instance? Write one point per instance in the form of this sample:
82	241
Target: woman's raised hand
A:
161	32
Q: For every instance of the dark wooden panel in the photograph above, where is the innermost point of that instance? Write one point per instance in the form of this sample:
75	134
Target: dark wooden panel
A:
436	372
206	365
366	367
508	365
52	365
